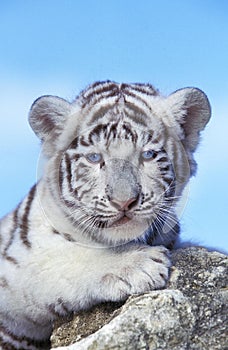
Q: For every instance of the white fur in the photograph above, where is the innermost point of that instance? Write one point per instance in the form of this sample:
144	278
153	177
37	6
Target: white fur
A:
64	269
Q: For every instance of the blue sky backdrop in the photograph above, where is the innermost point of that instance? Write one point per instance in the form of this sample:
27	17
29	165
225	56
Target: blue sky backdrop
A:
58	47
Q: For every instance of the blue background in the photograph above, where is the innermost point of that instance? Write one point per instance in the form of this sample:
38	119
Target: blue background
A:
59	47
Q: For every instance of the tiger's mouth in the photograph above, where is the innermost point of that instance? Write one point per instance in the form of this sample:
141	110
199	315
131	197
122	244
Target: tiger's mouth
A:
122	218
121	221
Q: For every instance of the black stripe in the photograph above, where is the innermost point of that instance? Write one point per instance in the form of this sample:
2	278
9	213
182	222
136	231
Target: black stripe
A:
138	98
10	259
158	261
69	204
101	204
94	87
83	142
66	236
146	89
95	98
133	135
11	239
163	158
74	144
136	114
163	276
61	177
147	138
101	112
24	226
100	89
112	133
93	91
97	131
68	174
12	232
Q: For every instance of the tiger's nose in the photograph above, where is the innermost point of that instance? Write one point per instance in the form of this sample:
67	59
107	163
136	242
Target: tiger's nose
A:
124	205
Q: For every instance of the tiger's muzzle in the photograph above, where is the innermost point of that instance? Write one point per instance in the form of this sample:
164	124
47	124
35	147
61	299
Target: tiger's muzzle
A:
122	184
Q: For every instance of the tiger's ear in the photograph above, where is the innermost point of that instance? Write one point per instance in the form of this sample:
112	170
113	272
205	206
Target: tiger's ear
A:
191	109
47	116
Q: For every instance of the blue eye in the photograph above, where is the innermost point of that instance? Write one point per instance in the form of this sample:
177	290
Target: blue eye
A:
94	158
148	155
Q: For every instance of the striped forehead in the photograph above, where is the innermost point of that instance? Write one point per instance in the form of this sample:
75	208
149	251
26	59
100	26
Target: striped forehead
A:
116	113
113	131
108	98
116	134
109	89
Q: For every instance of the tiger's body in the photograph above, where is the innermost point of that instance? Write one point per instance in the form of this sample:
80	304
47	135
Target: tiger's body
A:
97	224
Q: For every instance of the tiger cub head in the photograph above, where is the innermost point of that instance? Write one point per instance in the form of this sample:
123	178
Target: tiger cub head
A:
119	157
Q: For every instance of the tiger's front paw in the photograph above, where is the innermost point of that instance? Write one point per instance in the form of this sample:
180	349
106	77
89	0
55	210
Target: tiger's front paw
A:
142	270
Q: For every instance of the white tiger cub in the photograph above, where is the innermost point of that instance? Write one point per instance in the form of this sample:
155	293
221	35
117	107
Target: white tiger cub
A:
96	225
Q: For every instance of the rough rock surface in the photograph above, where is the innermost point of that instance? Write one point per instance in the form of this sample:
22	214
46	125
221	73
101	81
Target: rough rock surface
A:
190	314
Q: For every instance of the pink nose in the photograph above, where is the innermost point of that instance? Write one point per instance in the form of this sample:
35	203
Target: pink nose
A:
124	205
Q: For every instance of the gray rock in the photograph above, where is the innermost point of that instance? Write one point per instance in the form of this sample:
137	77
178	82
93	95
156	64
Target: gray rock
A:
190	314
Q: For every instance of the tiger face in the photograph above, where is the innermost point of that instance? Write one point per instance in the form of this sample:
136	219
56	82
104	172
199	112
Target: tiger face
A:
116	180
120	156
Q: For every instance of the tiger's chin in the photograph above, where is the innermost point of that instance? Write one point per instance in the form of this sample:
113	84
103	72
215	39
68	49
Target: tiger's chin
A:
124	230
